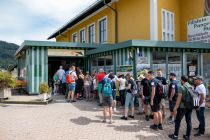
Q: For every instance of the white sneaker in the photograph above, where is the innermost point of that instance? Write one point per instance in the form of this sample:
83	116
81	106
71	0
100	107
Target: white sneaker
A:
114	109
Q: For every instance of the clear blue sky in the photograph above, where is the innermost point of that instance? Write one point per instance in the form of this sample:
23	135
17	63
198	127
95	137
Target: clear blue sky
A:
36	19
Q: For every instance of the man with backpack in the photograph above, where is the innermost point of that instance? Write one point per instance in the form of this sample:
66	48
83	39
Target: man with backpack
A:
107	91
155	102
201	90
163	83
172	95
182	109
99	78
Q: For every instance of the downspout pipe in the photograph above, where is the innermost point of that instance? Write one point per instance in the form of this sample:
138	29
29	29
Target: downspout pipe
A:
116	21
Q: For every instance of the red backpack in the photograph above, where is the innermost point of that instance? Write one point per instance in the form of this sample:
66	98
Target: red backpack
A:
69	78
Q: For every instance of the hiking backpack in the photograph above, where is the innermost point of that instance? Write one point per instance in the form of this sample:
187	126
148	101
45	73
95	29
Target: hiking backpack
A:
134	90
107	88
69	78
162	89
191	99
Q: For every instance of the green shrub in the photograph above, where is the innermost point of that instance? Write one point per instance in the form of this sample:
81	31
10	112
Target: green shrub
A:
43	88
6	80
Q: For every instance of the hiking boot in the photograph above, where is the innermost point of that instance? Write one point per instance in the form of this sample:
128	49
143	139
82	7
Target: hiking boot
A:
124	118
172	136
132	117
100	104
186	137
160	127
147	118
154	127
198	134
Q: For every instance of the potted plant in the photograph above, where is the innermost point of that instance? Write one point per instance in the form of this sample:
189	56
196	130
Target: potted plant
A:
44	90
6	83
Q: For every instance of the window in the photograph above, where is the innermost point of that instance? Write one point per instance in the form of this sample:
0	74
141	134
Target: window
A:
74	37
91	33
82	36
167	25
159	61
103	30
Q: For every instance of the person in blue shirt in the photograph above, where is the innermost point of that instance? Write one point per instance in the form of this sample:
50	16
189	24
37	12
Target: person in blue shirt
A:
63	86
155	102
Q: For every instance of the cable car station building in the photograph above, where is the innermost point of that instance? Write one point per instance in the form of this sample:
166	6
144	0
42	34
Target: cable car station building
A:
126	37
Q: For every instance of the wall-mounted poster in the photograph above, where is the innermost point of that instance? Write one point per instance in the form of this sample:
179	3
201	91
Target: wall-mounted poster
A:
124	69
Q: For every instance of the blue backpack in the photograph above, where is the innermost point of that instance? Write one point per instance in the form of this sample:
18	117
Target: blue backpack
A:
107	88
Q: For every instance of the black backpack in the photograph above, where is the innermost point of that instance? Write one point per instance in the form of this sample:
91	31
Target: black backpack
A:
161	89
191	99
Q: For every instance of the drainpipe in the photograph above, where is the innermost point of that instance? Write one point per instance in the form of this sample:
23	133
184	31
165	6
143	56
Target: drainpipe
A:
116	21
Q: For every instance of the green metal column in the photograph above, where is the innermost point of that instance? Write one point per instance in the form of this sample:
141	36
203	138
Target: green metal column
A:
134	63
114	61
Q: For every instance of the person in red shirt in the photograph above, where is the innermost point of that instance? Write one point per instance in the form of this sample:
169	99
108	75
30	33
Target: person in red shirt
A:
99	78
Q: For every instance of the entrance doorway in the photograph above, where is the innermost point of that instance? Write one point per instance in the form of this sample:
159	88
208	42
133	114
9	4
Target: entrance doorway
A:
66	62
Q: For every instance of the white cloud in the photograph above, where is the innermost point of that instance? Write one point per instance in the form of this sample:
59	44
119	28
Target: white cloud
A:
36	19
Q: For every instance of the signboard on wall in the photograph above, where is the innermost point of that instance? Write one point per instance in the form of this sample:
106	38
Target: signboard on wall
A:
199	30
65	52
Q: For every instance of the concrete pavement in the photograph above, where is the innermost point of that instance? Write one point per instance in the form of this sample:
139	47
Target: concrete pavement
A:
80	120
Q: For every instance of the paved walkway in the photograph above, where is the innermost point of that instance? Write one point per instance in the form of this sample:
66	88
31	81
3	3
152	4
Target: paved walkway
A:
80	120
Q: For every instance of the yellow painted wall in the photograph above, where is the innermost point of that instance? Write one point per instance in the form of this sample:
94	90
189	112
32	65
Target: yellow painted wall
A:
189	9
134	19
94	19
172	6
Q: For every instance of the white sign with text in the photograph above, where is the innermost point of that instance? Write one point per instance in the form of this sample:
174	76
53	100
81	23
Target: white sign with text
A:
199	30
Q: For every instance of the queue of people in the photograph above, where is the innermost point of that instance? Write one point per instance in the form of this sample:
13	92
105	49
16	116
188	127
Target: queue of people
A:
151	92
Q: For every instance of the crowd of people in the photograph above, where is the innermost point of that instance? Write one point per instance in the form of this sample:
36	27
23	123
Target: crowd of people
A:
150	91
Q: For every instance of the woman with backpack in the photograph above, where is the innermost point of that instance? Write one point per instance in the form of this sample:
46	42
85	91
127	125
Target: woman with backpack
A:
129	100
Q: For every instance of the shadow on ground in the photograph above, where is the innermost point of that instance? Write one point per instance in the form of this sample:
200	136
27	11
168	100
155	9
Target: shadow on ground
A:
84	121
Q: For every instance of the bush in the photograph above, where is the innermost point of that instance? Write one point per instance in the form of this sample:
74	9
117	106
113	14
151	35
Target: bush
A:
43	88
6	80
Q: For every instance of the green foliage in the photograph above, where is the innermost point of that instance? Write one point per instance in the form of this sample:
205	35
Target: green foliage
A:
43	88
6	80
7	51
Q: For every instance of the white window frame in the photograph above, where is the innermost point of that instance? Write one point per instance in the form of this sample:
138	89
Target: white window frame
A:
168	28
105	17
73	37
94	33
83	41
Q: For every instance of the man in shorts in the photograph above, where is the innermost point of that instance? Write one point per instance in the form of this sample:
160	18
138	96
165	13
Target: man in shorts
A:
172	95
155	102
107	99
99	79
163	81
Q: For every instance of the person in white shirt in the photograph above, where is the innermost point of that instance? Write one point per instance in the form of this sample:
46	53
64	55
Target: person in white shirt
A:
122	89
201	90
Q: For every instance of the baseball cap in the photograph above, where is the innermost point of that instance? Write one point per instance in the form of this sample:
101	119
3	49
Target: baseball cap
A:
198	77
172	74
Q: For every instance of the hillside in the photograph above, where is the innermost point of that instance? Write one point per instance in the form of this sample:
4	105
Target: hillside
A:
7	51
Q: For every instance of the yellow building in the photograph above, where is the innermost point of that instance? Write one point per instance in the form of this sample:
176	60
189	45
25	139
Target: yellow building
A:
125	36
164	20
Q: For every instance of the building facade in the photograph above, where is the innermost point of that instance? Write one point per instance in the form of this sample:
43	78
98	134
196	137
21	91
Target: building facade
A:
127	36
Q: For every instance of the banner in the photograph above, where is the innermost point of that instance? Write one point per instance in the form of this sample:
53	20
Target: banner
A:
65	52
199	30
